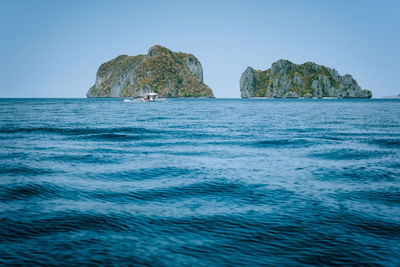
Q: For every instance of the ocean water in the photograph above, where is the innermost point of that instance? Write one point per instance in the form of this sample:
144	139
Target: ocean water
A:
200	182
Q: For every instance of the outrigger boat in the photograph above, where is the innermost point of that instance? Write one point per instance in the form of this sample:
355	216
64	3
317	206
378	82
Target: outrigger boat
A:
149	97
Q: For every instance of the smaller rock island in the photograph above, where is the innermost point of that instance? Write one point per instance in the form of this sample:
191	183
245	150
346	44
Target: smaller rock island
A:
162	71
288	80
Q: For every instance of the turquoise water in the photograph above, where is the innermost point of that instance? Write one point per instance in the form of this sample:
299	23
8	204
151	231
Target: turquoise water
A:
200	182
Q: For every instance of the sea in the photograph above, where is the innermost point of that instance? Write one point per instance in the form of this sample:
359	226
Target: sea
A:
200	182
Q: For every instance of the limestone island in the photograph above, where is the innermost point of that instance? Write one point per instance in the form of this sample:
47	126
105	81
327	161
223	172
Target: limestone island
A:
393	96
309	80
162	71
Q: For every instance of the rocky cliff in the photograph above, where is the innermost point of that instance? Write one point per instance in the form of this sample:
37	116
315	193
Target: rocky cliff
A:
162	71
286	79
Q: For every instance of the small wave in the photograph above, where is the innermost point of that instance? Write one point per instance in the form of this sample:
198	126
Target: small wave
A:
385	197
187	153
61	222
279	143
113	137
145	173
14	155
389	143
329	137
23	192
356	173
25	170
124	134
356	222
78	131
348	154
83	158
240	193
305	130
193	190
153	119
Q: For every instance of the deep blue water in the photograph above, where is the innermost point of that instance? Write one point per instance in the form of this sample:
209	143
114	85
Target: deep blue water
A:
206	182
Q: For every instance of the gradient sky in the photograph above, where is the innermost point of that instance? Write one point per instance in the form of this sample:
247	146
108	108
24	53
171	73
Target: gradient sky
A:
53	48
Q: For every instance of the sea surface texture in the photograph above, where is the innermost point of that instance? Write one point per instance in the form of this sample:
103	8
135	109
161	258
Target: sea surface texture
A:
200	182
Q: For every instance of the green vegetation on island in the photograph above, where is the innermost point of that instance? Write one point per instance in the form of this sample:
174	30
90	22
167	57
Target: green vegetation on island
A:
286	79
168	73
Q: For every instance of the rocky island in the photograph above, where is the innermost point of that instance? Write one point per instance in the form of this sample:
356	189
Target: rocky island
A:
285	80
168	73
392	96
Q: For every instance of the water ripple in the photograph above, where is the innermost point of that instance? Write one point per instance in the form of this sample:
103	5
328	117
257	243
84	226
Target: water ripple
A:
194	182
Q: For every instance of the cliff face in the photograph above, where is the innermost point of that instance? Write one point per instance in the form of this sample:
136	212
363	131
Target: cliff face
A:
285	79
162	71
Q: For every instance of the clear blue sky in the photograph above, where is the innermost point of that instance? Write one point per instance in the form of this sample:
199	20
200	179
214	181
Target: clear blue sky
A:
53	48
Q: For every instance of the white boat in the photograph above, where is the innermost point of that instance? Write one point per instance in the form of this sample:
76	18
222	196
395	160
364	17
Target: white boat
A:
151	96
